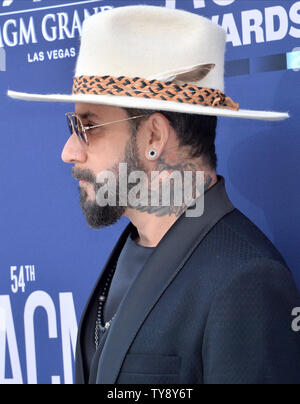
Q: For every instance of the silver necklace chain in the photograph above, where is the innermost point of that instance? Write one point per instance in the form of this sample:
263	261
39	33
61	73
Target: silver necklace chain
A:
102	299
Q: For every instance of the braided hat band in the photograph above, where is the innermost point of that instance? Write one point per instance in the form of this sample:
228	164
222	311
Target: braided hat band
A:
154	89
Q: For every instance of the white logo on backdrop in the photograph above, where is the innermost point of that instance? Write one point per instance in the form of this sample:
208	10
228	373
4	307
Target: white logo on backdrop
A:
7	3
62	326
200	3
296	51
2	60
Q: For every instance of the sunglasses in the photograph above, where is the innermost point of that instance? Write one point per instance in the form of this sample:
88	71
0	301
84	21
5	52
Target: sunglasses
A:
76	126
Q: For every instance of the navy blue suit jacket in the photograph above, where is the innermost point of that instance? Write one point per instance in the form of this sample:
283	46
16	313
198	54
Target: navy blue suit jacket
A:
213	305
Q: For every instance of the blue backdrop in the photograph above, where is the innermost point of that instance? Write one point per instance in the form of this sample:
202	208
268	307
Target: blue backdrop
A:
49	258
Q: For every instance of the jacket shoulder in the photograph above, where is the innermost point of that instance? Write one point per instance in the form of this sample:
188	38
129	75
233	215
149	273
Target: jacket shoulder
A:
233	246
242	228
237	239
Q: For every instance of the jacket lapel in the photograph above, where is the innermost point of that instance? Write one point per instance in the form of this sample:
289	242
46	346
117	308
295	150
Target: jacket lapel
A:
157	274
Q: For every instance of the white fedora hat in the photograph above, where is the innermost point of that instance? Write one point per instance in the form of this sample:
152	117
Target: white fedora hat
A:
154	58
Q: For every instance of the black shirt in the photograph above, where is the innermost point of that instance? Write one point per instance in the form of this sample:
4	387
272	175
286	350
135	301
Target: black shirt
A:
131	260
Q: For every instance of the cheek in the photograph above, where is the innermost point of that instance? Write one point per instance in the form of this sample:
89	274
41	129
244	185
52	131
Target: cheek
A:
105	154
102	162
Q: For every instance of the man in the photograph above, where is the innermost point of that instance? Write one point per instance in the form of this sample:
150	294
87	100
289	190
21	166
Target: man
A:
183	298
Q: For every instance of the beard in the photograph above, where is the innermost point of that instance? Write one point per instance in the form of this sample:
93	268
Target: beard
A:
97	216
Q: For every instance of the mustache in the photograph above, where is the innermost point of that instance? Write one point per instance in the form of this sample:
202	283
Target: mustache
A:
84	175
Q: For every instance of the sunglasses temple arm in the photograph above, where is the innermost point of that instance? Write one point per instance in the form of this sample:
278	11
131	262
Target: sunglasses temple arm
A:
109	123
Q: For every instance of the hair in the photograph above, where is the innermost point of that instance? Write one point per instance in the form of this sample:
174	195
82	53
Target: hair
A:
196	131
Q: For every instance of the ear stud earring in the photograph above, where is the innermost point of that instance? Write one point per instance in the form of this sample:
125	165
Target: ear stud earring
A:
152	154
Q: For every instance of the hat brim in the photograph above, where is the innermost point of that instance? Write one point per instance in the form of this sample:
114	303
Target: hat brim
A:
143	103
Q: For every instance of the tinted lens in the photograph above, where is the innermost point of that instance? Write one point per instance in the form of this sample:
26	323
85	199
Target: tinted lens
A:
70	124
79	128
75	126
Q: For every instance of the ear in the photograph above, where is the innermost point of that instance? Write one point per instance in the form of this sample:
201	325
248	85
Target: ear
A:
157	132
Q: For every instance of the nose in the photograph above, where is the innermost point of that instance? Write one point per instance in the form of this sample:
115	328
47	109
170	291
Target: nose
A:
73	151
